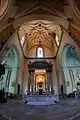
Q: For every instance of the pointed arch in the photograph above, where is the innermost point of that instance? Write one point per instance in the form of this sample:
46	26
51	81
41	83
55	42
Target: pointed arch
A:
71	68
11	62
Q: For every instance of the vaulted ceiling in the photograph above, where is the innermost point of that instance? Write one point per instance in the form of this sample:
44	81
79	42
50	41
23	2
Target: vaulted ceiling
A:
77	2
40	32
38	6
39	9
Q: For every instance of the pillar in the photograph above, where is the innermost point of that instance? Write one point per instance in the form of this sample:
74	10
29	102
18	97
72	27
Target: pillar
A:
51	81
29	80
35	85
47	81
32	81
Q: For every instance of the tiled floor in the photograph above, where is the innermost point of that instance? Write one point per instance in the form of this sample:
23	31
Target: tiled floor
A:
65	110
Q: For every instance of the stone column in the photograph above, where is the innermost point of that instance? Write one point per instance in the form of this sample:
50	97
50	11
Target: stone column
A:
29	80
35	85
51	81
47	81
32	81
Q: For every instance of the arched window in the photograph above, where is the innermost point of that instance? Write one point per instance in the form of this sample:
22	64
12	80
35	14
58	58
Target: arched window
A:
40	53
57	40
22	41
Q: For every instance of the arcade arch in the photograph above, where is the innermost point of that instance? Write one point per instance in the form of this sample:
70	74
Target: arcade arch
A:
11	62
71	68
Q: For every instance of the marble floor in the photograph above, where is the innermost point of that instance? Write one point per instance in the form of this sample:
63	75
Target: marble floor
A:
66	109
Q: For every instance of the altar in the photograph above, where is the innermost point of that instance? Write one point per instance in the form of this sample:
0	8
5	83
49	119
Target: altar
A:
40	76
40	84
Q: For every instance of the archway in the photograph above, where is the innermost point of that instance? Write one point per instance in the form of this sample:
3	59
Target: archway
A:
71	68
11	62
40	73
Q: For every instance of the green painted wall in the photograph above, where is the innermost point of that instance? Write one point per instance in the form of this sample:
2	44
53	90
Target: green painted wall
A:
11	67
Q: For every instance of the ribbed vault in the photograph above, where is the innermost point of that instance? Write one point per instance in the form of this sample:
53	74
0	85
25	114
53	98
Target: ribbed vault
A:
3	7
77	2
39	32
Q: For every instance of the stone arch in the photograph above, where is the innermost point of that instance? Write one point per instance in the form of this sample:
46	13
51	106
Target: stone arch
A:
23	20
71	67
4	6
11	62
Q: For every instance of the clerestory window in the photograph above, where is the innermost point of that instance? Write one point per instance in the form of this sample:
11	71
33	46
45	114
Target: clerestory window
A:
22	41
57	40
40	53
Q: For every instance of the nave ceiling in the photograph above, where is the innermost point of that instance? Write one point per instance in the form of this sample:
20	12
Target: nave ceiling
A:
40	7
40	33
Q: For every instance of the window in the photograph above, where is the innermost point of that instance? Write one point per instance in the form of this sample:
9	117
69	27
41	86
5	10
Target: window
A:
40	52
57	40
22	40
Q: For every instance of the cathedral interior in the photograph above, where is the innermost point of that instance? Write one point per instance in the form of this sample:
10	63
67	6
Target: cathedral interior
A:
39	45
39	59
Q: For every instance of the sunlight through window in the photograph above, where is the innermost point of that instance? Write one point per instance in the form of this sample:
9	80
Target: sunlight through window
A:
22	40
57	40
40	52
